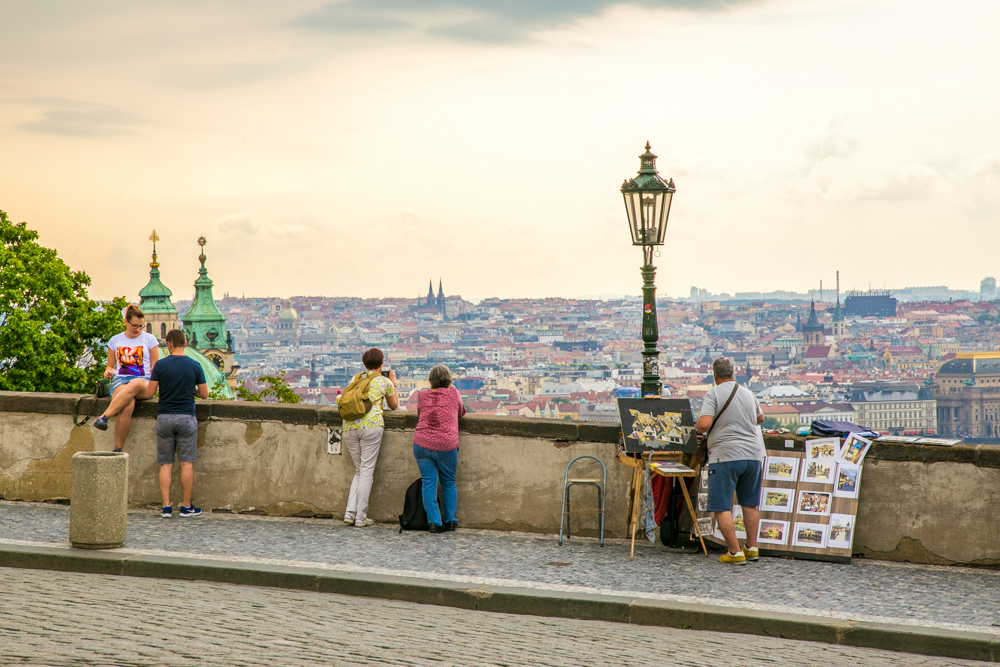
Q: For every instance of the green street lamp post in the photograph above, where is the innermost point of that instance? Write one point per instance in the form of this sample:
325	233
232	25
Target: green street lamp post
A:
647	204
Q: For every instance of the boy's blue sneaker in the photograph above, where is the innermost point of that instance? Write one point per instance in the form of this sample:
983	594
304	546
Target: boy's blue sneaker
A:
190	511
101	423
167	512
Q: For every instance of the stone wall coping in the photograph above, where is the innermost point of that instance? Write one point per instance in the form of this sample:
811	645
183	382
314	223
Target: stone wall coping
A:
986	456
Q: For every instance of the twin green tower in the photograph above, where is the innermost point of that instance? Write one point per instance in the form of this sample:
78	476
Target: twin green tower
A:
209	341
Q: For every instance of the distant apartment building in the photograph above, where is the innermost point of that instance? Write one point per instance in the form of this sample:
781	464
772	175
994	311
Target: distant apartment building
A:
873	303
988	289
967	390
895	407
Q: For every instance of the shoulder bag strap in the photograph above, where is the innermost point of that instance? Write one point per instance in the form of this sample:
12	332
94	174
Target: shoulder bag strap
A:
719	413
76	407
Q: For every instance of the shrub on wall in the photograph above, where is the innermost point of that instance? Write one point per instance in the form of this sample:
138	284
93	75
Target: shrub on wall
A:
52	334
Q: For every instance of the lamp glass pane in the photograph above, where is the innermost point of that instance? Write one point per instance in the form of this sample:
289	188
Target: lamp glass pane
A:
667	197
649	218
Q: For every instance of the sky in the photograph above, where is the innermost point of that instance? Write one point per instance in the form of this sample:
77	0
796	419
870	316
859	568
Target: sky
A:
361	147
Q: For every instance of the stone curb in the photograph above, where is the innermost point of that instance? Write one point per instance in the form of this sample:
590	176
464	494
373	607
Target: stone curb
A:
511	600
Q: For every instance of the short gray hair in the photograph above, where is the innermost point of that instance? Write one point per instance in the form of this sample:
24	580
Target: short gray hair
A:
723	368
440	376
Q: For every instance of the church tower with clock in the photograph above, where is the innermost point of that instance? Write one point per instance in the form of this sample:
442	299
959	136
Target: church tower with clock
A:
154	300
205	326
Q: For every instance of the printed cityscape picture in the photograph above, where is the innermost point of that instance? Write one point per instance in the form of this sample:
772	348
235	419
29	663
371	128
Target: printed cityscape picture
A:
810	535
781	468
818	472
854	449
772	532
777	500
841	531
825	448
847	481
814	502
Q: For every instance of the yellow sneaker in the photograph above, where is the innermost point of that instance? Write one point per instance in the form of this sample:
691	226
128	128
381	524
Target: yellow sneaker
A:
751	553
733	559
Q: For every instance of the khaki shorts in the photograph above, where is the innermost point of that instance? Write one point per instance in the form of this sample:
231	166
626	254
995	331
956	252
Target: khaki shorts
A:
176	434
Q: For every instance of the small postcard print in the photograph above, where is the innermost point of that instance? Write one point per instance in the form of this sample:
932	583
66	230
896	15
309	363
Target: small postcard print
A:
810	535
777	500
741	527
772	532
841	531
781	468
814	502
704	477
818	471
702	502
823	448
705	526
854	449
848	480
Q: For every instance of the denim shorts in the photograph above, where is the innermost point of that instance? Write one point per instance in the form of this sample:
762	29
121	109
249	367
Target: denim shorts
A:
122	380
743	477
176	434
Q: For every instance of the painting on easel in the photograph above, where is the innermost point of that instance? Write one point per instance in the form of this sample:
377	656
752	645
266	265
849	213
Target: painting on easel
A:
657	424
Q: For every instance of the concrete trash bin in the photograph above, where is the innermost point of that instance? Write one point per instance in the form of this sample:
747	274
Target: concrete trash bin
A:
98	500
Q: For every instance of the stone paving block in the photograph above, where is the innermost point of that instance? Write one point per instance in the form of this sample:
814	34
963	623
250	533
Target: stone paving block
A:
923	640
227	572
407	589
583	606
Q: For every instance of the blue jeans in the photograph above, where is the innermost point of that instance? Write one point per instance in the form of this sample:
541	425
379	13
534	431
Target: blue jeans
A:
434	464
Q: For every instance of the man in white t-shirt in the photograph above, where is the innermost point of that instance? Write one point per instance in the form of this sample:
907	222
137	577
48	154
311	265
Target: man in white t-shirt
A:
735	454
131	355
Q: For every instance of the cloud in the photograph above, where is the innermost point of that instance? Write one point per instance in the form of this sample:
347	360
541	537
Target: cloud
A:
477	20
830	141
212	76
83	122
244	229
911	181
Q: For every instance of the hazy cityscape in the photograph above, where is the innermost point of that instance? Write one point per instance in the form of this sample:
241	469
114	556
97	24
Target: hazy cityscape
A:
883	362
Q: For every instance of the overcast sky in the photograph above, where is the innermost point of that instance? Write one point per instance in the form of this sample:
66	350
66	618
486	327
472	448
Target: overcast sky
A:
361	147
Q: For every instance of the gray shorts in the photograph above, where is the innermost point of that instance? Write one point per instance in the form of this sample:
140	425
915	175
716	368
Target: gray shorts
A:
176	434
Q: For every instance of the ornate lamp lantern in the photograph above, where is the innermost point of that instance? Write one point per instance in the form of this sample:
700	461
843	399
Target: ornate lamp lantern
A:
647	204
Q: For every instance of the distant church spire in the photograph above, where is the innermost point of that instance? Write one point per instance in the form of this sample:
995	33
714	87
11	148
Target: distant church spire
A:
440	296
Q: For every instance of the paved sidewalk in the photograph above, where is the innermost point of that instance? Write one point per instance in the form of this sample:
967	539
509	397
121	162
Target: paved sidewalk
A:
58	619
928	596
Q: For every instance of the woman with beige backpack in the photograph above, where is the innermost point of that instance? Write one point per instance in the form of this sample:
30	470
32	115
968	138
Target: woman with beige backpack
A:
363	426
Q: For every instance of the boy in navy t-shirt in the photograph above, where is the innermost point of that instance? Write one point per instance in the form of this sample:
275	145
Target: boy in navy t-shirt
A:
179	380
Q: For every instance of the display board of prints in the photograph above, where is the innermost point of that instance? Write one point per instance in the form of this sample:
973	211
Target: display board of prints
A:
809	500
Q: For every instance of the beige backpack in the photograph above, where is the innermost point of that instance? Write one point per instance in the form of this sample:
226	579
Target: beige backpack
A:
354	402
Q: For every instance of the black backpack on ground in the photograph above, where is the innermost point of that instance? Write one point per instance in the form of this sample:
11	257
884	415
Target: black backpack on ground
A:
414	517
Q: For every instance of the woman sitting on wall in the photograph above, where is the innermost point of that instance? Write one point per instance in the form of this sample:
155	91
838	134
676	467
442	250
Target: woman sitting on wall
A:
435	446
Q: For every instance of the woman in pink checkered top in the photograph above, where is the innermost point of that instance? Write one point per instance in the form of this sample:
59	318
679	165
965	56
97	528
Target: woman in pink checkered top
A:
435	446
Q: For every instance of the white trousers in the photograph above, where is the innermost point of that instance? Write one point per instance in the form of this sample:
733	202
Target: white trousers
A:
363	444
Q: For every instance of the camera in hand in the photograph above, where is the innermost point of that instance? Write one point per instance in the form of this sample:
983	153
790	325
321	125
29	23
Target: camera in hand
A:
385	374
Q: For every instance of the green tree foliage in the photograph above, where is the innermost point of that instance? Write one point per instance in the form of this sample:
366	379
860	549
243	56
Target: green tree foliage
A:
277	388
52	334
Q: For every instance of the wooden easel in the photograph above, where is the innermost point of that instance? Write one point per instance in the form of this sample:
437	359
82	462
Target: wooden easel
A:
638	465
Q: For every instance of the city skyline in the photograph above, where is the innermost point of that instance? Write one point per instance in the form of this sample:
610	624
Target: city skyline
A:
476	139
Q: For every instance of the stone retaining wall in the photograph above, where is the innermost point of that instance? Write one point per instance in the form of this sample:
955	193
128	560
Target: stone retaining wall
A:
918	503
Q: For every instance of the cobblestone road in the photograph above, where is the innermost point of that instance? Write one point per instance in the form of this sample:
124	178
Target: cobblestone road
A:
955	597
60	619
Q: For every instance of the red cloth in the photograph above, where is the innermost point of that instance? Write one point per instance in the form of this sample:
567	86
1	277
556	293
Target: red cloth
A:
662	490
438	411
